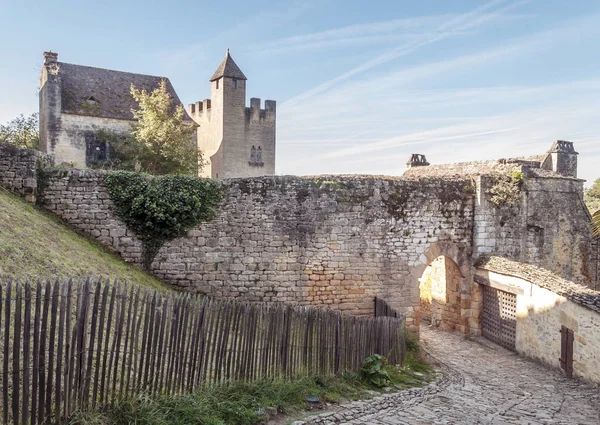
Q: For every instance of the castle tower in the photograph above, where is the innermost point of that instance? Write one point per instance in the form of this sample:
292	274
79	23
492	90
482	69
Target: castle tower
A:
237	141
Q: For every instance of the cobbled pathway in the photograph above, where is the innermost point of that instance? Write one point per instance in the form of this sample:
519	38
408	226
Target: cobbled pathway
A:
483	384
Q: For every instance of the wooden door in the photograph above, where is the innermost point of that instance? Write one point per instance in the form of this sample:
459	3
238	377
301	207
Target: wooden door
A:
566	350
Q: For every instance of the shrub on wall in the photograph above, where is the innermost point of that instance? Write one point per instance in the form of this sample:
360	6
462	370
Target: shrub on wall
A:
507	190
158	209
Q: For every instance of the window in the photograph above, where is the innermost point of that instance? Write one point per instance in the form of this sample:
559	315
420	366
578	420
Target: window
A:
217	84
234	83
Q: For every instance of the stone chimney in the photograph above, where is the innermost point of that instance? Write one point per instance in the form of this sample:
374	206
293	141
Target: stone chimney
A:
417	160
562	159
50	58
50	99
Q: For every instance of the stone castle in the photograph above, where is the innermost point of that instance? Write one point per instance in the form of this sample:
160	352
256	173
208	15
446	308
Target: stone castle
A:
78	103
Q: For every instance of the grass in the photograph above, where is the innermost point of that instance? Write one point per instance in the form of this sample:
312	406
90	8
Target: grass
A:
35	244
250	403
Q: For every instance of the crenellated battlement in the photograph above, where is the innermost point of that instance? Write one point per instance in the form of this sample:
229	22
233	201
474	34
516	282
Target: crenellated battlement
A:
198	108
255	114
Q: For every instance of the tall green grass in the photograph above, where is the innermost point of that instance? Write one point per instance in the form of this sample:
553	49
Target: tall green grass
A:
249	403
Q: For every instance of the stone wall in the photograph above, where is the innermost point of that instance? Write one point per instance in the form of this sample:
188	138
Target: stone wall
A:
538	331
341	240
18	169
549	227
78	131
333	241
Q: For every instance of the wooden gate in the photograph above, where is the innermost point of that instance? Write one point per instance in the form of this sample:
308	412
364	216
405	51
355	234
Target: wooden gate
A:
499	319
566	350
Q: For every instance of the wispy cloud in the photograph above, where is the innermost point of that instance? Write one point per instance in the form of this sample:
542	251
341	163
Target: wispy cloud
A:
370	125
390	31
455	26
188	54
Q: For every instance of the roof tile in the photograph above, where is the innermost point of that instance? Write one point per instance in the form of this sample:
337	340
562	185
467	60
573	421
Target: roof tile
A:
105	93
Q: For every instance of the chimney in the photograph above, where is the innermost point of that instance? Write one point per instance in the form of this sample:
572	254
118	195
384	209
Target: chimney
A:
50	58
417	160
562	159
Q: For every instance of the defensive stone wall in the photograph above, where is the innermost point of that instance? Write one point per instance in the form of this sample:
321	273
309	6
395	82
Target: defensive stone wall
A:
18	169
339	241
548	227
334	241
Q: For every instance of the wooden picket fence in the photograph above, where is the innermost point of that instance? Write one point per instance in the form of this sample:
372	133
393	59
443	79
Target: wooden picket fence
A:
383	309
70	345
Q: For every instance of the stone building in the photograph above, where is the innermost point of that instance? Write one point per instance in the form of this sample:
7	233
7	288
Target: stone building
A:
238	141
78	102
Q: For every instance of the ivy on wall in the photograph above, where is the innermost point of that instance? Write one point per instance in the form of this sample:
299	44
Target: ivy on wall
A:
158	209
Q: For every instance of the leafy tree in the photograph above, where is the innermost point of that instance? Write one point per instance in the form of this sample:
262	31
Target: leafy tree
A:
22	132
596	223
168	140
592	197
594	191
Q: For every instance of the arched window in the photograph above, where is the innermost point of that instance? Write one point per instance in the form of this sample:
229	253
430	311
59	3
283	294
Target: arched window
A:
259	155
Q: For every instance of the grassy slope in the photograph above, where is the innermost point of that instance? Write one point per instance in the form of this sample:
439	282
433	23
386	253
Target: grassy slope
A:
35	244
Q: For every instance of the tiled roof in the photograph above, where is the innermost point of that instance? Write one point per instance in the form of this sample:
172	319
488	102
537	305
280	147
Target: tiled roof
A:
228	68
475	168
577	293
104	93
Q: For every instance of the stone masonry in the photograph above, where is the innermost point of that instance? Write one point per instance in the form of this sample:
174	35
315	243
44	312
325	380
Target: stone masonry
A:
237	141
334	241
18	170
81	105
339	241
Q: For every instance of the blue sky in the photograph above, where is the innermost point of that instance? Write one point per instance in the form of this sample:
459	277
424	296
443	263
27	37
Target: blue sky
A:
360	85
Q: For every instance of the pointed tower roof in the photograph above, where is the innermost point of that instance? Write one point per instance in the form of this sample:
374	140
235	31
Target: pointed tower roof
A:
228	68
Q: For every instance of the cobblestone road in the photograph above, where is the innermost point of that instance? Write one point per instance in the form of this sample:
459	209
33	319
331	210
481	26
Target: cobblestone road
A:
491	385
483	384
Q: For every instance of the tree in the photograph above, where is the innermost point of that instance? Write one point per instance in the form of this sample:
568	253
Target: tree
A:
168	144
594	191
22	132
596	223
592	197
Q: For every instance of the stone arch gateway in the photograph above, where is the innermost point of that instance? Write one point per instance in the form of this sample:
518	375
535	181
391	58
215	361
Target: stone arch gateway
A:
445	287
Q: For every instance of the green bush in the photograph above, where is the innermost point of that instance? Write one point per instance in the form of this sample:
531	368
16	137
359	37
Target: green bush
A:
161	208
373	371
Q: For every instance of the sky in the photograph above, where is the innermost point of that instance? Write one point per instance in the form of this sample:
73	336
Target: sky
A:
359	85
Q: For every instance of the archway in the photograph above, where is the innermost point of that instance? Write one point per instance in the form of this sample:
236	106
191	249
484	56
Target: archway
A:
439	290
454	267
